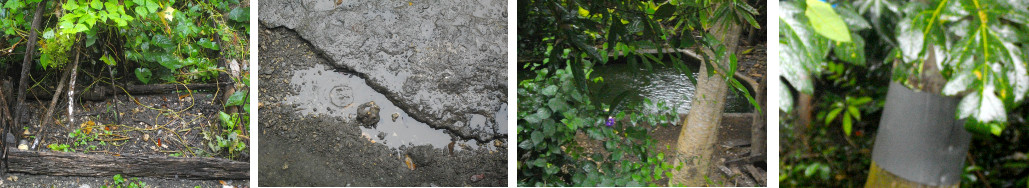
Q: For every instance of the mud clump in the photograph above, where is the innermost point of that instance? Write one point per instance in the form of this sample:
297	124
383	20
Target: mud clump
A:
368	114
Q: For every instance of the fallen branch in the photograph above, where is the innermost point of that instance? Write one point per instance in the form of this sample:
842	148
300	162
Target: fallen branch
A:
79	164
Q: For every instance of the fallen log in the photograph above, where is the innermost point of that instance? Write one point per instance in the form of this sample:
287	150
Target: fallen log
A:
102	93
79	164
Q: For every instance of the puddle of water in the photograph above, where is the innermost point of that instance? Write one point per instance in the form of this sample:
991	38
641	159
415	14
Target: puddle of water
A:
665	84
325	92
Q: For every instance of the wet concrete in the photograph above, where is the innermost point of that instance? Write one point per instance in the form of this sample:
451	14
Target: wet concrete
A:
444	62
310	135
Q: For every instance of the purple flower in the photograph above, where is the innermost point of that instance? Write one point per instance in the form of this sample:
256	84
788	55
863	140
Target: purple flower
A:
610	121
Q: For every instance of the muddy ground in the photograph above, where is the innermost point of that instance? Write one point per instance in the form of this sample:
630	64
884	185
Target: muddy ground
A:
28	180
170	124
329	149
444	61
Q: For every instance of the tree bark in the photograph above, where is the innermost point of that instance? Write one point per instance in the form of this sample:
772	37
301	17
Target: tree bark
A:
79	164
700	130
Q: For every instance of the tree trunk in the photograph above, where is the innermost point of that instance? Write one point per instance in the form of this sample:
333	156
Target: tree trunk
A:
30	50
700	130
919	143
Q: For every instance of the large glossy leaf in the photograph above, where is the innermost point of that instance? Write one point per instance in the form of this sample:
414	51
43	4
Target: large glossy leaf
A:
826	22
852	52
984	106
801	49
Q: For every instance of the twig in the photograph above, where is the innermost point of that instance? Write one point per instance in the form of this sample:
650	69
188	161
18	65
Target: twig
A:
117	118
977	173
45	122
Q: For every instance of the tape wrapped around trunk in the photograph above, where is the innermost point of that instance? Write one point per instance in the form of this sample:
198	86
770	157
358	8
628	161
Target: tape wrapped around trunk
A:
919	138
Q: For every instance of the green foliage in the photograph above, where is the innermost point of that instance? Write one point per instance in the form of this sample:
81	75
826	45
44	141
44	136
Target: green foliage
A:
87	139
60	147
229	140
827	22
849	108
975	44
564	39
120	182
551	112
176	40
144	74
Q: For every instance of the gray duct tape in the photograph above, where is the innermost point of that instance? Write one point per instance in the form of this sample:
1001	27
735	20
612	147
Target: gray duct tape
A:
919	139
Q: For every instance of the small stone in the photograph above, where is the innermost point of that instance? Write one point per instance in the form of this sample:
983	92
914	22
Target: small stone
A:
382	136
477	177
285	166
368	114
395	116
11	139
23	145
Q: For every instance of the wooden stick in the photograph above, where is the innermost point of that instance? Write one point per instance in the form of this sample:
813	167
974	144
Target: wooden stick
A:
98	165
45	122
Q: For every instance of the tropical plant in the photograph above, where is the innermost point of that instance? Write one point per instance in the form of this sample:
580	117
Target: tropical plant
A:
562	40
970	47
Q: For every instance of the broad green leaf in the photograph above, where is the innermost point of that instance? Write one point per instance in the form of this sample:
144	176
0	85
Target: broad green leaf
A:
151	6
832	115
96	4
237	98
959	83
854	112
911	40
69	6
826	22
810	170
108	60
558	105
204	42
240	14
983	106
802	51
852	52
143	74
549	90
537	137
847	126
226	119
